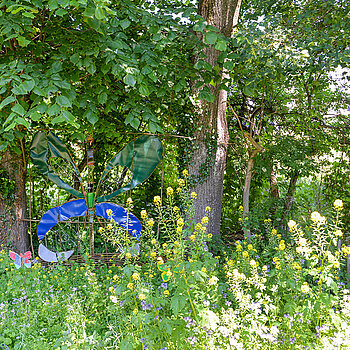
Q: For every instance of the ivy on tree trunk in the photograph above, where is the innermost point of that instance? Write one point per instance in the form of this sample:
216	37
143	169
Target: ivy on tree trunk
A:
13	206
212	124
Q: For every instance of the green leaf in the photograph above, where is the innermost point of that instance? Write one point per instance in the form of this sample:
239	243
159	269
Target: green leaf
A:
249	91
102	98
3	145
7	101
35	116
22	41
22	121
92	118
211	37
177	303
58	119
199	26
221	45
28	85
129	80
135	123
125	23
99	13
144	91
19	90
205	95
17	108
75	59
126	344
61	12
63	101
68	116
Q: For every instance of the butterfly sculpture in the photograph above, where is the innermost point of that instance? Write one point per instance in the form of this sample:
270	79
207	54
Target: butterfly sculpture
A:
141	156
20	259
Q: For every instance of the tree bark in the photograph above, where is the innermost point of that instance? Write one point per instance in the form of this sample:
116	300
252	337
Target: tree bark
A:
212	123
294	175
13	232
274	191
247	182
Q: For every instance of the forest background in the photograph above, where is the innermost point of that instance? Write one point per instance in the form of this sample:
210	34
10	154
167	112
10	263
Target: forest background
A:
251	97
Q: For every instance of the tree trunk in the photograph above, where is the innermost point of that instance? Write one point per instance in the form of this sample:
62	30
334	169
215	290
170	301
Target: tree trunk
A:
222	14
274	191
247	182
13	207
294	175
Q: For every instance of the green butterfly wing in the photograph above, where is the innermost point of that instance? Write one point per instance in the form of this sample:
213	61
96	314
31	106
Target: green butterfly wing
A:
141	156
45	146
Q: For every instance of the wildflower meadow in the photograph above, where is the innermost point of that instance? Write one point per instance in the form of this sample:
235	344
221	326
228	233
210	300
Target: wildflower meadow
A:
179	291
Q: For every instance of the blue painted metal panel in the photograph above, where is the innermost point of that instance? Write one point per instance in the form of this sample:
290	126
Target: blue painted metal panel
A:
120	216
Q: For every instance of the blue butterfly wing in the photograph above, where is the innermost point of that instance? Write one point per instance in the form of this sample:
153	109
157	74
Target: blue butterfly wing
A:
120	216
18	261
26	264
61	213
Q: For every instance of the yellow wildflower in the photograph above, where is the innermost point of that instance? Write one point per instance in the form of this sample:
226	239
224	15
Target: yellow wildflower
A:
169	191
176	209
250	247
296	266
210	235
142	297
128	255
109	212
240	208
245	254
192	238
181	182
207	209
153	241
292	225
238	247
193	195
230	262
346	250
109	226
166	293
135	276
180	222
111	289
130	285
305	288
338	233
150	222
274	231
153	254
203	269
135	311
205	220
253	263
213	280
338	204
157	200
282	245
101	229
129	201
185	173
144	214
